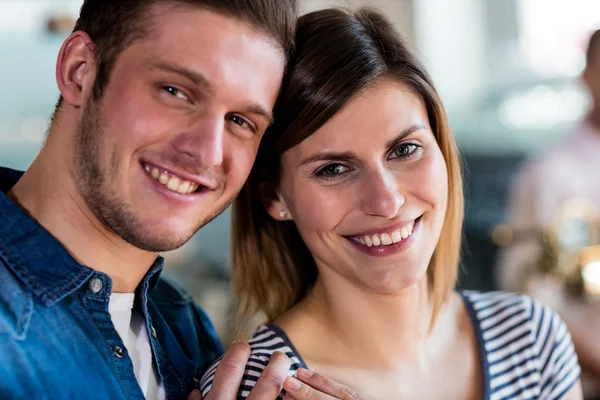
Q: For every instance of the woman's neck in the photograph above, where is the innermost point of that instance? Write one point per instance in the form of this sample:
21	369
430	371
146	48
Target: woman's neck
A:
354	323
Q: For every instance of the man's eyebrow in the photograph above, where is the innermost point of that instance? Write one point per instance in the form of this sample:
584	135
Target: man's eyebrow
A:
261	111
329	156
193	76
201	81
403	134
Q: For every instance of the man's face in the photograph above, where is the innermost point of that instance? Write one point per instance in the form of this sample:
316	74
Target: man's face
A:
175	134
591	75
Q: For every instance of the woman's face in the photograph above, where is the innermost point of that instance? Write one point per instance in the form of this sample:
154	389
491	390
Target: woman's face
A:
368	191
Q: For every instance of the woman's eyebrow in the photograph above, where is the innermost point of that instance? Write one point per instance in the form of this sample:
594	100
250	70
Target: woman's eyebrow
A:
329	156
405	133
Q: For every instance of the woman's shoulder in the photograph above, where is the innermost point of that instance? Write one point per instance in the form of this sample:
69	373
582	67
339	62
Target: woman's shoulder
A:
266	340
523	339
491	309
498	314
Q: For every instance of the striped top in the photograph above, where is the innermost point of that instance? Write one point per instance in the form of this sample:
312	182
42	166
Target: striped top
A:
525	347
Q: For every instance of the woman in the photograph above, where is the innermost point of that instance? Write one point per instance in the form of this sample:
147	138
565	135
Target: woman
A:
347	237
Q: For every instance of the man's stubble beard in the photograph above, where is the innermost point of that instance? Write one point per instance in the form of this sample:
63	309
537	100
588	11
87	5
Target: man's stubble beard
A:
93	181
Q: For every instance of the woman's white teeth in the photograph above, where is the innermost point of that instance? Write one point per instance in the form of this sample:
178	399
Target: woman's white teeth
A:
386	239
404	233
376	241
172	183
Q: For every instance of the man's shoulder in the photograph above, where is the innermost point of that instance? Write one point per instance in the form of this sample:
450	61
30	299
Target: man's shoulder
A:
168	292
186	320
8	177
177	306
555	159
16	304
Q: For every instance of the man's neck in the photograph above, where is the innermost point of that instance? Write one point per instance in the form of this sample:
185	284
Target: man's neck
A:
594	118
49	196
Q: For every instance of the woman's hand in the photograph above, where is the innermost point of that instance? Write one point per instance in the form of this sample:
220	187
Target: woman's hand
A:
311	386
304	386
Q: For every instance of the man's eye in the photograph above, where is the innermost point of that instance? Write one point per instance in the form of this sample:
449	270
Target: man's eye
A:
175	92
242	123
332	171
239	121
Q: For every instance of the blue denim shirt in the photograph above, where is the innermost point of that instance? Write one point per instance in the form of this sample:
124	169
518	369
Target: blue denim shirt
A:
57	340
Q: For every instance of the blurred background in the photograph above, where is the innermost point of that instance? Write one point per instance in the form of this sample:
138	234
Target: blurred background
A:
507	70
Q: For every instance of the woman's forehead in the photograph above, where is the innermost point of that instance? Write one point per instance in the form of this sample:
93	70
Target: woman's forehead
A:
376	115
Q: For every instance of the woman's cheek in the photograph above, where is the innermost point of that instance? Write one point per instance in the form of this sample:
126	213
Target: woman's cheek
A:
319	209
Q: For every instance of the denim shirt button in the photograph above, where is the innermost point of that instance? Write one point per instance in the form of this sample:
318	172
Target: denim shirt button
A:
118	350
153	332
95	285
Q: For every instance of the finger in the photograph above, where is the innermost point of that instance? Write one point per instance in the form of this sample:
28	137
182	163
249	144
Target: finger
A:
229	373
195	395
271	379
288	396
298	390
324	385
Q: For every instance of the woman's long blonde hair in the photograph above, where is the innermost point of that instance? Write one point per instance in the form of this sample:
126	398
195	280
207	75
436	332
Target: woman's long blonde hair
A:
339	53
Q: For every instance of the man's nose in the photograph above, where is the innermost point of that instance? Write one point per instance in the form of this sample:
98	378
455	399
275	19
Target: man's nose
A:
204	142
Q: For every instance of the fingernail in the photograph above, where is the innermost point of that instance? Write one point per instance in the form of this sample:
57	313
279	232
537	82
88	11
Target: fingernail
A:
293	384
304	373
195	395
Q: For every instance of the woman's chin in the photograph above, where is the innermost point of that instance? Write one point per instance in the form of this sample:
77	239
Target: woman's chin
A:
393	283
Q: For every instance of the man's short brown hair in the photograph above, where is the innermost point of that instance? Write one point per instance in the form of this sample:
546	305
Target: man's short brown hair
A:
113	25
593	46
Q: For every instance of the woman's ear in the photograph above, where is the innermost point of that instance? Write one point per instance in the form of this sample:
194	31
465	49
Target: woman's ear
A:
273	202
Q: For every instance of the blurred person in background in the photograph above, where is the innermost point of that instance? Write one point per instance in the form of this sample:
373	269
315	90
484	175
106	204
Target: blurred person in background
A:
347	237
163	105
571	169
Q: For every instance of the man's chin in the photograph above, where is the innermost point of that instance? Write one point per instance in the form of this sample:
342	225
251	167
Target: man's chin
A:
159	243
157	236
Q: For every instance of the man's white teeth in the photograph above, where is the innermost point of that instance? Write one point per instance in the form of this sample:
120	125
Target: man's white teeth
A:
172	183
385	239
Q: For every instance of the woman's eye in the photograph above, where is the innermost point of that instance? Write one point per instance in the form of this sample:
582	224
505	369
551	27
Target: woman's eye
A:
404	150
332	171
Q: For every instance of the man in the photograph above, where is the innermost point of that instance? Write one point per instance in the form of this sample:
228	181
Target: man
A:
568	170
163	105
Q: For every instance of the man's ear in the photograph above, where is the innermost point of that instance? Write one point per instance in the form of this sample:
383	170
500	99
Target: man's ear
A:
585	76
76	68
273	202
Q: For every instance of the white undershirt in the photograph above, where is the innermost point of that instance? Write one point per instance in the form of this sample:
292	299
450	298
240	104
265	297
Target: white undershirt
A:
131	327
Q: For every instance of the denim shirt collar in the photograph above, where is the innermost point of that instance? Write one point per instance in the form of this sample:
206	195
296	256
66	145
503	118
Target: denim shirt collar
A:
37	258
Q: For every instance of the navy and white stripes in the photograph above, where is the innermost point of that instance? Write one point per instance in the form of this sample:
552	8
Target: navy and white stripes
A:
526	350
266	340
